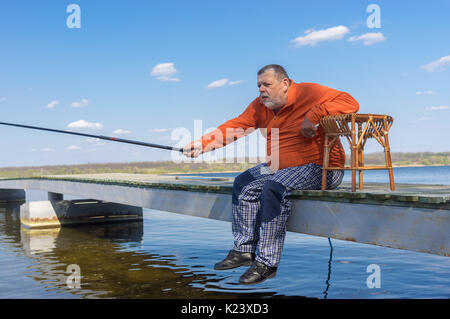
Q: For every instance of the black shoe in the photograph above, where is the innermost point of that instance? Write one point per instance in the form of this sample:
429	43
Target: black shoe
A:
235	259
257	273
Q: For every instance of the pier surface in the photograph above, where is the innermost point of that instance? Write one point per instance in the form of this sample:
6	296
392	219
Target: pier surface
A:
413	217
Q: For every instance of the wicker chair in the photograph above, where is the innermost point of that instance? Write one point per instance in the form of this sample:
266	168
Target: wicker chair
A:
366	126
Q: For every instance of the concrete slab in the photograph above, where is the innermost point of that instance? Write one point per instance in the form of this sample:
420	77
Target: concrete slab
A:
49	214
414	217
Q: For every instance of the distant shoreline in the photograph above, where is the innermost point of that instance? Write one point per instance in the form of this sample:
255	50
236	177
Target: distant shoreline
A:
399	160
419	165
216	172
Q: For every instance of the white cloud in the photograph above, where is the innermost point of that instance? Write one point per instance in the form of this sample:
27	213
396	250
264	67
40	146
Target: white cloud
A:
84	124
52	104
217	84
440	64
313	37
96	141
3	99
369	38
235	82
121	132
428	92
435	108
45	149
421	119
82	103
159	130
223	82
164	72
73	148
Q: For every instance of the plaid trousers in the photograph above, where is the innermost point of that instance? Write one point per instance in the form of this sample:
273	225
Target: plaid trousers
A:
262	204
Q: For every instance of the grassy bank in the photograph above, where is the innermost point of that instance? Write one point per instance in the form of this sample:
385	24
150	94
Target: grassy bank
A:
167	167
161	167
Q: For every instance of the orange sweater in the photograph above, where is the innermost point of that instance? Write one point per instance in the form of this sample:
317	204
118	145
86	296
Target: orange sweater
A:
304	100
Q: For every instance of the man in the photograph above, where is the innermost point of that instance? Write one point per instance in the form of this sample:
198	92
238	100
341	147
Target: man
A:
288	113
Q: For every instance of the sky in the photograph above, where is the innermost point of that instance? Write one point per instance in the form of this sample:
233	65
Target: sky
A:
151	70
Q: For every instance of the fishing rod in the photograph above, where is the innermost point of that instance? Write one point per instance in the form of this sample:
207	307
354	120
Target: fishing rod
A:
108	138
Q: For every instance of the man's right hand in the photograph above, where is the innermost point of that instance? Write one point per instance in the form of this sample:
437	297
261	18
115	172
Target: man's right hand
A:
193	149
308	128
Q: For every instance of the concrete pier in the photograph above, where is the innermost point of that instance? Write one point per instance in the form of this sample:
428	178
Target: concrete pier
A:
51	213
413	217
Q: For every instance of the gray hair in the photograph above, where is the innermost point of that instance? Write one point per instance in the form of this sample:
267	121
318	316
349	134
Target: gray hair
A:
280	72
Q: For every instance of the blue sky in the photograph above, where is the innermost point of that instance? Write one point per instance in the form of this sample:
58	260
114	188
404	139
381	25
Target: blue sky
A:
140	69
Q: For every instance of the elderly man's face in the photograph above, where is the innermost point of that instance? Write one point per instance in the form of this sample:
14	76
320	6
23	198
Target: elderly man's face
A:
272	92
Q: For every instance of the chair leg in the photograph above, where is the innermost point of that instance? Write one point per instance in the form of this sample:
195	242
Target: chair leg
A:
354	158
325	163
361	164
387	154
360	154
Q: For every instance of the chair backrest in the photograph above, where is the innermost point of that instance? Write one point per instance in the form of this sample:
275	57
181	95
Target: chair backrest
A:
340	124
336	124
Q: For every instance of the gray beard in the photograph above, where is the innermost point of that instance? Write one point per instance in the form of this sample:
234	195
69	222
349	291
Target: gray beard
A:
271	105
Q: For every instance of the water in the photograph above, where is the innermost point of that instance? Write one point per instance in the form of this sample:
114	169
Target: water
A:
437	175
172	256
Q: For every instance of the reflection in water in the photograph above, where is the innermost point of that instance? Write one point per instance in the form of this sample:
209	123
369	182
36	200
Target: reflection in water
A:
10	212
38	240
112	262
325	293
172	256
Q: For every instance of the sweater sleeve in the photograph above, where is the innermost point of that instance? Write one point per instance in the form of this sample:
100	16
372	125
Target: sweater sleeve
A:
233	129
341	104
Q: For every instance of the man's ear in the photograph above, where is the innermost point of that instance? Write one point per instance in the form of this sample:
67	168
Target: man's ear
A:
286	84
